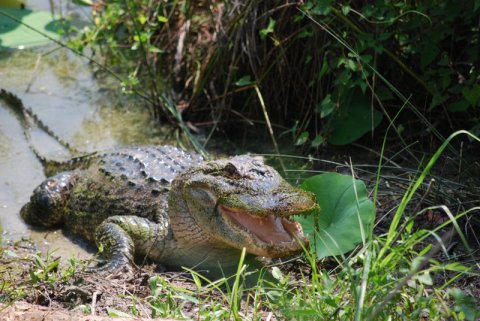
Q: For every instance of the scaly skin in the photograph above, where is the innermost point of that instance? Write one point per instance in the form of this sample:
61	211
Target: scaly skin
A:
173	207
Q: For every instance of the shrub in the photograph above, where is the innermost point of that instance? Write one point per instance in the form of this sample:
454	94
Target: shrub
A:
318	64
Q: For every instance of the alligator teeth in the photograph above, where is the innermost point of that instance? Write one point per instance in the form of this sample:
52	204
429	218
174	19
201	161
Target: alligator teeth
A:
267	229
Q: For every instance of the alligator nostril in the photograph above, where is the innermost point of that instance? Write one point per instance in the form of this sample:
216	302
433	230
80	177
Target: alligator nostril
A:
259	172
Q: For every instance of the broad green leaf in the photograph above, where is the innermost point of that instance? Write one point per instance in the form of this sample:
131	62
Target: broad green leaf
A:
472	94
142	19
34	278
14	34
317	141
344	216
244	81
53	265
437	99
302	139
323	7
276	273
354	119
428	53
162	19
345	9
305	33
351	64
326	107
457	106
464	304
425	278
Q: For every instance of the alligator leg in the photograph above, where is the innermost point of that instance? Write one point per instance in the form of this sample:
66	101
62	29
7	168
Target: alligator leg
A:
124	236
48	201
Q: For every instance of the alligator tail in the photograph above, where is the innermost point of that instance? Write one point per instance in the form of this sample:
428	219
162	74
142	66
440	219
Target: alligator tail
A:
28	120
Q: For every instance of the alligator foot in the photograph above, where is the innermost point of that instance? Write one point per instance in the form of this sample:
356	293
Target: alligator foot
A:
121	237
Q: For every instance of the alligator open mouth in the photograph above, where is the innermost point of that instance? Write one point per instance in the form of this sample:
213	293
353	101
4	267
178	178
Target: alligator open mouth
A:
268	229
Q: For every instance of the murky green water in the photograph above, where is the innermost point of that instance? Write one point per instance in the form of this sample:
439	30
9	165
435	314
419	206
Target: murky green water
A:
66	96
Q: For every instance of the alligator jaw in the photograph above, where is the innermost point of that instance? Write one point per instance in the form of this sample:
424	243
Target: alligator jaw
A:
268	230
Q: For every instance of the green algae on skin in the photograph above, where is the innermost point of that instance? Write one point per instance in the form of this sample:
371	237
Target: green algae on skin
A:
173	207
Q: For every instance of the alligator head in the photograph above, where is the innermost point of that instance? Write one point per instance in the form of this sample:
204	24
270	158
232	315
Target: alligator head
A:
241	202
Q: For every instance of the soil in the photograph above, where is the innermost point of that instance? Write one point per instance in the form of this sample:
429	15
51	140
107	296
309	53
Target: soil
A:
22	311
97	293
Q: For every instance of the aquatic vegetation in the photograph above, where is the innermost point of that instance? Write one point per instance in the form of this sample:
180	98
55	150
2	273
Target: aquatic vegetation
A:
23	28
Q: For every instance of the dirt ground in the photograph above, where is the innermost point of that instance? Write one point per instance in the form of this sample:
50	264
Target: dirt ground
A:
95	294
64	295
22	311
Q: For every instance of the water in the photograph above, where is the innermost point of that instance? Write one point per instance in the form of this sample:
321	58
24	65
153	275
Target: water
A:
63	92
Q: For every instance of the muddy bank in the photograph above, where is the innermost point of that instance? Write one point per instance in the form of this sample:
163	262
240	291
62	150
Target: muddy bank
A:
22	311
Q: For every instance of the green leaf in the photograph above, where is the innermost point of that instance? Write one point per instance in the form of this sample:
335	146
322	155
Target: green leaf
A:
344	216
384	94
437	99
155	49
39	262
324	68
345	9
305	33
302	139
458	106
244	81
354	119
317	141
425	278
276	273
428	53
264	32
10	253
142	19
53	265
187	298
114	313
162	19
323	7
34	278
14	34
326	107
299	314
464	304
351	64
472	94
86	3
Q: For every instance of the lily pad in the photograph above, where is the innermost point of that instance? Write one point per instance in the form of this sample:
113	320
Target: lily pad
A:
14	32
346	215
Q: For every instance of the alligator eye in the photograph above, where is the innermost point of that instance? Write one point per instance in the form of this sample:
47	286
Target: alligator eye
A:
231	170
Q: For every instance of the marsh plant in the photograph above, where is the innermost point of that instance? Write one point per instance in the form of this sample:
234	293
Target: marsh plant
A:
327	72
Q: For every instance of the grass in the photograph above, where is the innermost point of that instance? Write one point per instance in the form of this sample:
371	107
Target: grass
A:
403	274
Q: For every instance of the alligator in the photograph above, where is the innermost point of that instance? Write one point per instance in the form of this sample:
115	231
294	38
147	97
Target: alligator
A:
173	207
